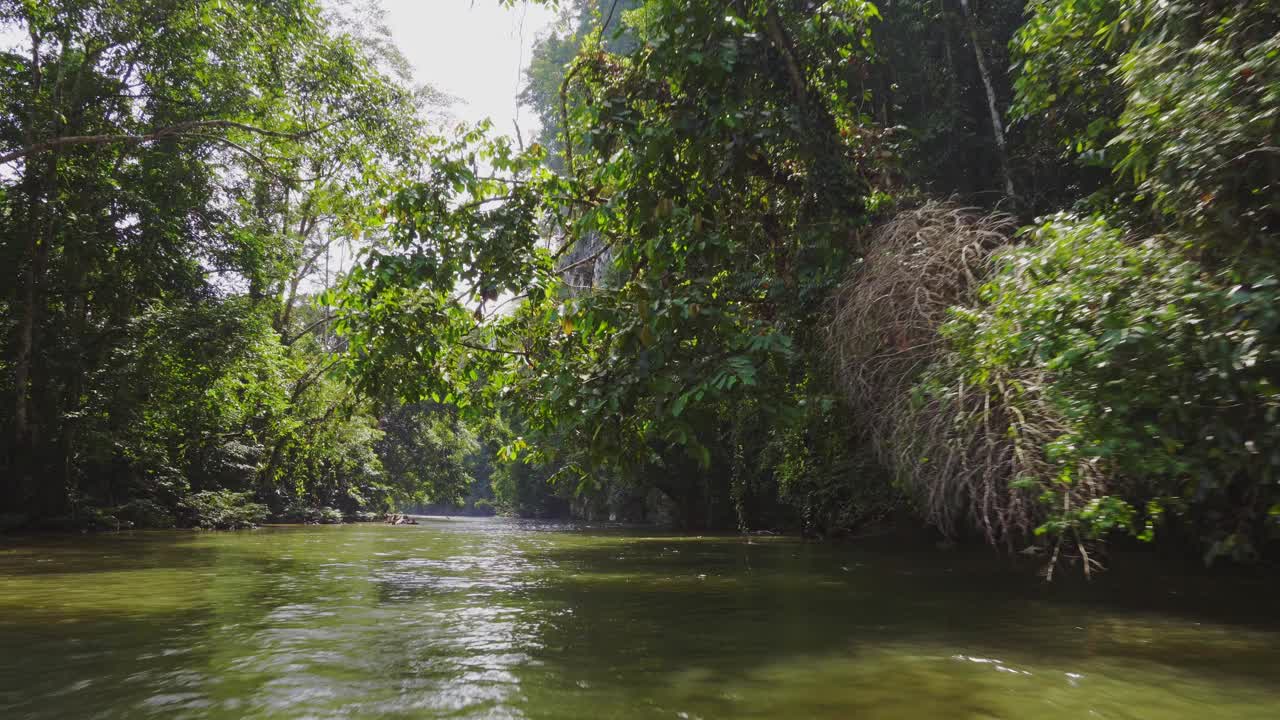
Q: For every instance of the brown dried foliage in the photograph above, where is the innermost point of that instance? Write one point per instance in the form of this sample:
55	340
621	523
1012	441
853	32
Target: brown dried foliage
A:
958	450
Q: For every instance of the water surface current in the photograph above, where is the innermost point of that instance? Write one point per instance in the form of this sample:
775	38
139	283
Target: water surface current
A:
508	619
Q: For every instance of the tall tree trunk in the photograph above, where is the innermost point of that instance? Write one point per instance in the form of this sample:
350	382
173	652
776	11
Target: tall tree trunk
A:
21	461
997	126
73	381
20	464
25	339
25	427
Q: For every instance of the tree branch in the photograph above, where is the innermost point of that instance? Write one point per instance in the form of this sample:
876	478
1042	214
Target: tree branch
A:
564	117
262	162
310	377
608	18
997	127
170	131
312	326
481	348
589	259
778	36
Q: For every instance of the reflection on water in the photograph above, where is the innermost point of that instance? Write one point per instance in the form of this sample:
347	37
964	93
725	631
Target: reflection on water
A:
499	619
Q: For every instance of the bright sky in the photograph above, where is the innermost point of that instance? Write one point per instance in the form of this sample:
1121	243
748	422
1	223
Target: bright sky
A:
472	49
475	50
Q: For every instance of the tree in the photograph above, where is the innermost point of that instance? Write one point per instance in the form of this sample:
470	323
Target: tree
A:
1178	102
722	168
175	176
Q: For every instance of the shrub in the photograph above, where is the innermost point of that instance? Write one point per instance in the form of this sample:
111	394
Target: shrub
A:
1163	377
299	512
145	514
223	510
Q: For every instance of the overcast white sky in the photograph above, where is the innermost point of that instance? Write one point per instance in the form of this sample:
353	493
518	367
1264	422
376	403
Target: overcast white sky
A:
472	49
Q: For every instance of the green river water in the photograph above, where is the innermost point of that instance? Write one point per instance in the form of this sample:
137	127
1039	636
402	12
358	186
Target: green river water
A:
508	619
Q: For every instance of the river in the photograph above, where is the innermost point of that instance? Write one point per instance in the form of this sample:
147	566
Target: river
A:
510	619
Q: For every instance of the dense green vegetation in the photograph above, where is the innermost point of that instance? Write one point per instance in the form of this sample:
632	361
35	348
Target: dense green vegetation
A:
760	270
178	178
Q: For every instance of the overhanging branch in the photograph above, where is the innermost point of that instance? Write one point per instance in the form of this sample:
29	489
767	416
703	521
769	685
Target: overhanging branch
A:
179	130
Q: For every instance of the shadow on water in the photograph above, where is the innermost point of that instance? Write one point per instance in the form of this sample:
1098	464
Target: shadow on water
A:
736	628
737	603
106	552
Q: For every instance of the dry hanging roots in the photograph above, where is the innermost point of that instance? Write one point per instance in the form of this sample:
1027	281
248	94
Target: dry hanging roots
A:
885	316
960	450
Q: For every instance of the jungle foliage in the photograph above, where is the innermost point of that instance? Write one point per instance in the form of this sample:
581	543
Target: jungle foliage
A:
176	179
717	174
759	268
719	277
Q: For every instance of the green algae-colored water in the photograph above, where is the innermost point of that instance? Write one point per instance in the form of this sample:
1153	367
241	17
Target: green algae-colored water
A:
505	619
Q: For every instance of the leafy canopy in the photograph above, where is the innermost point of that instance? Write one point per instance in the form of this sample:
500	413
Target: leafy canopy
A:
712	178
